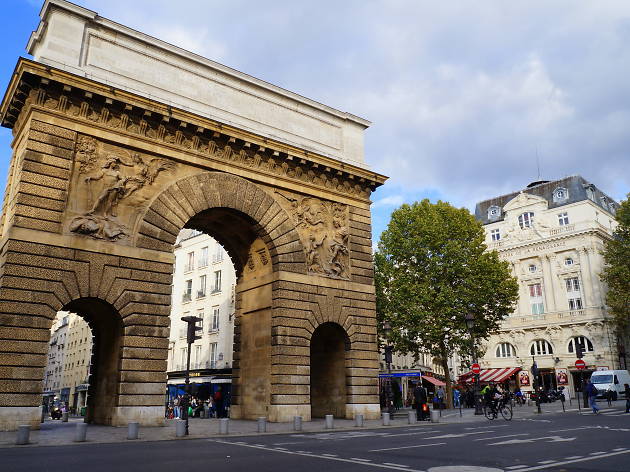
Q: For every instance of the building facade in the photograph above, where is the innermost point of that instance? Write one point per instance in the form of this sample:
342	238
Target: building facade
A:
552	234
203	285
68	364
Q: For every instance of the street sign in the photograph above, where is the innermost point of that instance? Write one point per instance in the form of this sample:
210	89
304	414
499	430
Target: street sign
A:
580	364
476	368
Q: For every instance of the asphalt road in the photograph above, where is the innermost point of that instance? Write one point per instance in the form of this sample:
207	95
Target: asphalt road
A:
569	442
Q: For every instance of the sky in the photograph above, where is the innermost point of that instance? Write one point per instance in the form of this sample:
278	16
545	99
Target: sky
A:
468	99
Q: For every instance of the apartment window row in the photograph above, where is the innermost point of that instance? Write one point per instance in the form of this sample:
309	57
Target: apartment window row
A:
526	220
202	262
574	296
201	286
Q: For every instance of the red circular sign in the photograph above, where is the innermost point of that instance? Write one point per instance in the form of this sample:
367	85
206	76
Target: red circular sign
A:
580	364
476	368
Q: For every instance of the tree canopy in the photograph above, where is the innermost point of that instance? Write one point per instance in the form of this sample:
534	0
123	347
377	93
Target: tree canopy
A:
616	272
432	268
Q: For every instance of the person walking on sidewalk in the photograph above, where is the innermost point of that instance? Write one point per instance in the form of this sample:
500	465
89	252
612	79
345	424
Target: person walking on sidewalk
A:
440	395
627	393
420	397
591	391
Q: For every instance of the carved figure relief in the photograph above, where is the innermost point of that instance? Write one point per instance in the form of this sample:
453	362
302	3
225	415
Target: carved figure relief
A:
323	228
105	178
258	260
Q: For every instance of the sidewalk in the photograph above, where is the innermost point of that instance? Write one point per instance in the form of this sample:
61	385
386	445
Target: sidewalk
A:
53	433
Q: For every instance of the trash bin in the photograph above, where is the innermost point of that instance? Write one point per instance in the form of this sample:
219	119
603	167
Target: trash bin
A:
82	411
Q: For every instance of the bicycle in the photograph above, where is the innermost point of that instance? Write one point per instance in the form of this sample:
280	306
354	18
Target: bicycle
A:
502	407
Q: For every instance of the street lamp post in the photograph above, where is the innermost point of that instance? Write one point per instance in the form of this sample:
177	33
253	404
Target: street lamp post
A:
470	324
191	337
389	394
536	384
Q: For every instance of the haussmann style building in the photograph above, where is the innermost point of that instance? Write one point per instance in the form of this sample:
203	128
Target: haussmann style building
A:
552	233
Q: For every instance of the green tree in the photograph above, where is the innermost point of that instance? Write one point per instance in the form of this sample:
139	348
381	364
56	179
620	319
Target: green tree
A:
616	273
432	267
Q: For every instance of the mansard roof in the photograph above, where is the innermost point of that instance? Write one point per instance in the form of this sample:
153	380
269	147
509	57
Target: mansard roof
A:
575	185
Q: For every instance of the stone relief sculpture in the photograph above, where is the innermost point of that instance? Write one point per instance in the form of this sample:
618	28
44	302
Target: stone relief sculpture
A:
106	180
323	228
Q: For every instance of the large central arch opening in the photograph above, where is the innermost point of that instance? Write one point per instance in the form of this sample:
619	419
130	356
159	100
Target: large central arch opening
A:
232	296
329	344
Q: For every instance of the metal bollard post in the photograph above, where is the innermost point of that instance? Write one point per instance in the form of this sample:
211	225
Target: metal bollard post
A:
224	426
329	422
23	433
80	432
435	416
64	417
385	419
411	417
358	421
132	430
297	423
180	428
262	424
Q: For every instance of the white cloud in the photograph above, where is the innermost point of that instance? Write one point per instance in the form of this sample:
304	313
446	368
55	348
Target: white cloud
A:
390	201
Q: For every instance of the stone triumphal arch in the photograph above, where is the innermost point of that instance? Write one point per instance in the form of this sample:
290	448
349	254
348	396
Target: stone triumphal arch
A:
120	141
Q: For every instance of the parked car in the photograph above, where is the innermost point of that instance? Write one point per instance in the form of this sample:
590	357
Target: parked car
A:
612	380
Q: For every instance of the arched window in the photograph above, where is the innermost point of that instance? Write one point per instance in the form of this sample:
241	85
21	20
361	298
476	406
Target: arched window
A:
526	220
540	347
587	345
560	194
505	350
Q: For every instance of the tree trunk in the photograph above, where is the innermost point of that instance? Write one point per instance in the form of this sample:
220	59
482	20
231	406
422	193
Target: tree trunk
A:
447	376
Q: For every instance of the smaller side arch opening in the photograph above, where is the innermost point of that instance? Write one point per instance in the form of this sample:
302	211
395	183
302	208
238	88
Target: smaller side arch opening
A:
329	345
107	332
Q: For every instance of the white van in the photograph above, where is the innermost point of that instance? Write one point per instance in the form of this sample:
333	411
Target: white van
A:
614	380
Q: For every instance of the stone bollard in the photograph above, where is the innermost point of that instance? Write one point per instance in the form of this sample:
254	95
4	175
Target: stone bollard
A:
262	424
329	422
64	417
435	416
23	433
412	417
386	419
297	423
224	426
132	430
80	432
358	421
180	428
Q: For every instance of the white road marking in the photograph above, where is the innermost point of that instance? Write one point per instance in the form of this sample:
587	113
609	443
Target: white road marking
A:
410	434
500	437
620	449
281	448
573	457
405	447
338	459
330	455
522	441
395	465
546	462
485	427
514	467
596	453
461	435
359	459
572	461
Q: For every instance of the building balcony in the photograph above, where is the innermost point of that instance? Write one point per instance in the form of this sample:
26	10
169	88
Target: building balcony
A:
553	318
186	297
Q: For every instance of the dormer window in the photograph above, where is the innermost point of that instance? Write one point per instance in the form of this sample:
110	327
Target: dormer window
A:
604	201
560	194
526	220
494	212
532	268
568	261
590	192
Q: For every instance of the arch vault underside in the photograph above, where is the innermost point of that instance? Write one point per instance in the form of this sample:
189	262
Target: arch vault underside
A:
100	184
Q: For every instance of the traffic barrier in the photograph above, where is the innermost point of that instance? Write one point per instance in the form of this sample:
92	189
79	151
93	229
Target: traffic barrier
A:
329	422
262	424
224	426
132	430
23	433
80	432
386	419
411	417
435	416
180	428
64	417
358	421
297	423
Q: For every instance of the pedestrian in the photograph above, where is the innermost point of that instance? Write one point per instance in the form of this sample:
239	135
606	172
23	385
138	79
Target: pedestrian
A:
627	393
456	398
440	395
420	397
177	407
591	391
609	397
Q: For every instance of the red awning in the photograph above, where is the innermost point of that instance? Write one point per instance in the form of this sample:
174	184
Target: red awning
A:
434	381
490	375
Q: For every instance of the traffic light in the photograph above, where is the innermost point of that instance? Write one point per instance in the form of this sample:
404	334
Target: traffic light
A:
579	350
192	333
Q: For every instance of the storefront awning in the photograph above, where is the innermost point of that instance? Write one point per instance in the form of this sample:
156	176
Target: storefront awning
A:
434	381
490	375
